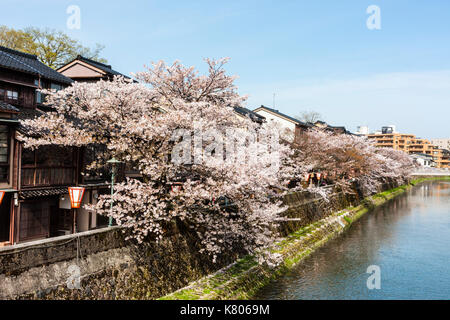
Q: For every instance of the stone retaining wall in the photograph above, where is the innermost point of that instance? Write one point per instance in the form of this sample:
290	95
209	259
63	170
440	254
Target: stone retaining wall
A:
111	268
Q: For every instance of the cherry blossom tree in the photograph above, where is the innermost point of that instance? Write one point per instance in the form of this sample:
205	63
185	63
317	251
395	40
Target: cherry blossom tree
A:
348	158
200	164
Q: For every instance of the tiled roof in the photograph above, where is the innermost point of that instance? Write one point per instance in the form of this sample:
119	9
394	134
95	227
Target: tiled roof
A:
47	192
247	112
7	107
24	62
104	67
283	115
336	129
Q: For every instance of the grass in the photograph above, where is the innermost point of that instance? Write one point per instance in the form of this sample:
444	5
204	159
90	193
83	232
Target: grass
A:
420	180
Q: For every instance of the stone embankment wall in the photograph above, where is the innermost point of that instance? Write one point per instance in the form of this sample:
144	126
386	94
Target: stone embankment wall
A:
242	279
112	268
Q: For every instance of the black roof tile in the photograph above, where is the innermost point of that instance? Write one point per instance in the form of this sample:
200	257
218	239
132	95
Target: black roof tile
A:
28	63
247	112
45	192
284	115
7	107
104	67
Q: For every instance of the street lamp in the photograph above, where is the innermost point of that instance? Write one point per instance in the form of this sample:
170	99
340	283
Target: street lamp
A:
113	162
76	197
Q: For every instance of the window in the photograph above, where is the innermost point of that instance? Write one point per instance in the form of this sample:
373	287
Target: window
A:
2	94
4	153
35	218
56	87
39	97
51	156
48	165
12	95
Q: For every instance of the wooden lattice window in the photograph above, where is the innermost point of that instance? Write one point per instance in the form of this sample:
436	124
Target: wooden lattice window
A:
4	153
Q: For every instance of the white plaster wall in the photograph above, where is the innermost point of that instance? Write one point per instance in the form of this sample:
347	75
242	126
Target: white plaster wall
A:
271	117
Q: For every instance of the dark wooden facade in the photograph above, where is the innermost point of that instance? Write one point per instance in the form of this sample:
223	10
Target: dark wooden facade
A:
33	180
36	202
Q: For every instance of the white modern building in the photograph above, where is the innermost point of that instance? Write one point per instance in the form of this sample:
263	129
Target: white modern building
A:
424	160
286	123
362	130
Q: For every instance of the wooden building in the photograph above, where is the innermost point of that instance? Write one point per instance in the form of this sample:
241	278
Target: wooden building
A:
83	69
36	204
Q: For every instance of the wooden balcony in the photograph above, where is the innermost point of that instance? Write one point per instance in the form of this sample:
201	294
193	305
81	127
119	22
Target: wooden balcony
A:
33	177
15	102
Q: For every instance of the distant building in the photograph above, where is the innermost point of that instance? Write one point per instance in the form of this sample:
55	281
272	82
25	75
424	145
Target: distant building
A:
441	143
397	141
388	129
390	138
290	126
362	130
325	126
423	160
242	113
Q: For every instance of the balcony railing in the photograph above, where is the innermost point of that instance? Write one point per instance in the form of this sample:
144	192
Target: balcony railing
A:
15	102
48	176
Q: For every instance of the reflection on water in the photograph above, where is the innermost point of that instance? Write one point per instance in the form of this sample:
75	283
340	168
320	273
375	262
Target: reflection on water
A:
408	237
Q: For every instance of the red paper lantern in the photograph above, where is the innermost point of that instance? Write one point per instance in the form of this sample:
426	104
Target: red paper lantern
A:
76	196
176	187
2	194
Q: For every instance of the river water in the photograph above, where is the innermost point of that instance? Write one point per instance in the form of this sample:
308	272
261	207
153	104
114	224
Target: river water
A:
408	238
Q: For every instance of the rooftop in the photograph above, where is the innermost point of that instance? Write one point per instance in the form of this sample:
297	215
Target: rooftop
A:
247	112
6	107
28	63
282	115
102	66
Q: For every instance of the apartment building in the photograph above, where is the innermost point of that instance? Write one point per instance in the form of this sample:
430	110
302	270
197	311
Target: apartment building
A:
397	141
411	144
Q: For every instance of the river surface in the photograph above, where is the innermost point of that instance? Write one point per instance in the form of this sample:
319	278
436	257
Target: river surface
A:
408	238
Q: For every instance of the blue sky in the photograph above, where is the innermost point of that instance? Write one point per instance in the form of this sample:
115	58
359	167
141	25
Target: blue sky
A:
315	55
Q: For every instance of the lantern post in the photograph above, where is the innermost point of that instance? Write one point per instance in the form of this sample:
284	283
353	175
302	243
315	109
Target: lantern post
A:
76	197
113	162
2	194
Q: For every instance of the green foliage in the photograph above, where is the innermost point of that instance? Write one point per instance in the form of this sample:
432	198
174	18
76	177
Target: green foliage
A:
348	220
420	180
53	48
